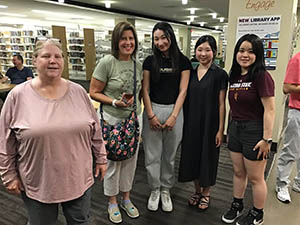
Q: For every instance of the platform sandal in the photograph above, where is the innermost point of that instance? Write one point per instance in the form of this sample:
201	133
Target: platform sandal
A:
204	202
194	199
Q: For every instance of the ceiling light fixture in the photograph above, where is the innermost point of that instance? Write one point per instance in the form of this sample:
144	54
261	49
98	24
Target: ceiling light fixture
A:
192	18
55	19
61	1
107	4
3	6
12	14
193	10
188	22
221	19
61	15
184	2
202	24
217	27
214	15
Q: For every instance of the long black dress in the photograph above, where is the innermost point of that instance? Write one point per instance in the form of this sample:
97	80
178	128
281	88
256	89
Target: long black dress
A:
199	155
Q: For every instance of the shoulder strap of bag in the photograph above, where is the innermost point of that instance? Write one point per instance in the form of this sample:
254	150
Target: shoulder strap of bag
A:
134	84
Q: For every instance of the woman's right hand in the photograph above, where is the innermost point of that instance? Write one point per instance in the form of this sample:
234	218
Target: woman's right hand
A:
155	124
15	186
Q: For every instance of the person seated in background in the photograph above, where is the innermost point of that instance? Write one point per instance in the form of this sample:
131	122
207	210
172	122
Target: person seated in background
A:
19	73
2	78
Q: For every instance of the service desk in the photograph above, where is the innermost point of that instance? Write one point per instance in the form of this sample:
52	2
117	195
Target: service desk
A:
6	87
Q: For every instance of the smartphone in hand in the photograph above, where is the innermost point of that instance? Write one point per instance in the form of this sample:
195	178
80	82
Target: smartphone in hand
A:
126	97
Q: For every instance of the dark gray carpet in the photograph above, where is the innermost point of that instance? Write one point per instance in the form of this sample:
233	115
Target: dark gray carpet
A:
12	211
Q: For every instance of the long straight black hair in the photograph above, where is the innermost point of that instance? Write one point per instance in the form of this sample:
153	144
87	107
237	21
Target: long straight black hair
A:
258	67
174	51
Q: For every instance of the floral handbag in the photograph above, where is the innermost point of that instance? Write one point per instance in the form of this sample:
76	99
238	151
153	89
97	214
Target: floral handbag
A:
121	140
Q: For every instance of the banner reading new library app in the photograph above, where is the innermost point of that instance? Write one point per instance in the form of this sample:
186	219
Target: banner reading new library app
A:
268	29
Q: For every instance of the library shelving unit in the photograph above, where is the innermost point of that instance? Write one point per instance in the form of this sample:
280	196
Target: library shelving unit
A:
76	56
102	44
16	42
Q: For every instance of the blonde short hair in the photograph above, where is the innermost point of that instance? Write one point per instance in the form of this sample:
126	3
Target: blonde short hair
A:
40	44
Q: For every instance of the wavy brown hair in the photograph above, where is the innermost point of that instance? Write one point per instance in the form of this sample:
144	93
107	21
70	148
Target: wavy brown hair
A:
117	35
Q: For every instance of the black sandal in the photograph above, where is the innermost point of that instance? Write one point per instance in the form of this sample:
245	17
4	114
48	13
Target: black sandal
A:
195	199
204	202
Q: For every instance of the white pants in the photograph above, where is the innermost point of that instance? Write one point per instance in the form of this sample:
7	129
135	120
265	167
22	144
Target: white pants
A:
290	151
120	174
160	148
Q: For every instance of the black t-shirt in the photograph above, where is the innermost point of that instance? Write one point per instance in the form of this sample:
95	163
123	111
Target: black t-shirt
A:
18	76
166	89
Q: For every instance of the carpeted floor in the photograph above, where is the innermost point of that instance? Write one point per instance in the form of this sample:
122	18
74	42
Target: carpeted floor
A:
12	211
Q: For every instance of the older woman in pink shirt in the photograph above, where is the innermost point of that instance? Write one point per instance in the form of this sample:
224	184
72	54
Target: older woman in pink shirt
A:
49	131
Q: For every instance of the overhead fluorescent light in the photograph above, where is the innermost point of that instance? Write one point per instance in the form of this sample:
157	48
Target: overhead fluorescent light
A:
202	24
12	14
214	15
61	15
221	19
192	18
193	10
217	27
184	2
188	22
3	6
55	19
107	4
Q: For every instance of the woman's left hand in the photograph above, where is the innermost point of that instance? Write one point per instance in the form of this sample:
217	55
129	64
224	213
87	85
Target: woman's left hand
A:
219	139
170	123
263	149
100	169
127	99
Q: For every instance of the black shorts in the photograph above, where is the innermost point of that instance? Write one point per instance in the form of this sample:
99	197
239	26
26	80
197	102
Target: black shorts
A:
243	136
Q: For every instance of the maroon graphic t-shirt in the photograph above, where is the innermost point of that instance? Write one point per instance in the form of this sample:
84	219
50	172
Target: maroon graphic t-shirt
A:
245	96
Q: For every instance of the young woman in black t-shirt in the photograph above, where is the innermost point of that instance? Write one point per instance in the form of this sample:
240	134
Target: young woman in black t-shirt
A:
166	76
251	99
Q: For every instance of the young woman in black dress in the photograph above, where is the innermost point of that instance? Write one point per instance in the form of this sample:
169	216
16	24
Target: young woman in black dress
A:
204	113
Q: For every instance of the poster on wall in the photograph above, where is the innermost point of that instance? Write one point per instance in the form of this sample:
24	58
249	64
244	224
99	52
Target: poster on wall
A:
268	29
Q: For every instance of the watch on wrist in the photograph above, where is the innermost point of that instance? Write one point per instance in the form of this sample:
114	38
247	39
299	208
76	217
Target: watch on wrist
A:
269	140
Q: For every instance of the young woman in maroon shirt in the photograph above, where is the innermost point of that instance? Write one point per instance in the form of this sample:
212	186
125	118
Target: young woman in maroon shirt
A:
251	99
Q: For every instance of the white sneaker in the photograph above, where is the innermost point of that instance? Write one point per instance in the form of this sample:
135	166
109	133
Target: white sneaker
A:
166	201
283	194
153	200
296	187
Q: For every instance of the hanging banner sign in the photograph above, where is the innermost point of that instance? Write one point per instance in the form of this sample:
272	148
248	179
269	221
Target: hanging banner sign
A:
268	29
